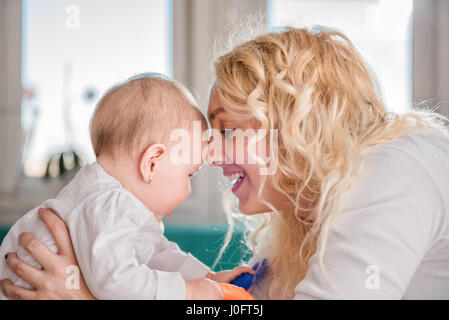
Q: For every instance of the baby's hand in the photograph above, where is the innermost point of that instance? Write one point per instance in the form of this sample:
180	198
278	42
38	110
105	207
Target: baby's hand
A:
228	276
203	289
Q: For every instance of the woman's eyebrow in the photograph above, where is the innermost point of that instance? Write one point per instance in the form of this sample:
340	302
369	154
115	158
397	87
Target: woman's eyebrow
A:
214	113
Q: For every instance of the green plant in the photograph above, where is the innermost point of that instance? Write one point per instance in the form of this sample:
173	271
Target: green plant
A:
62	163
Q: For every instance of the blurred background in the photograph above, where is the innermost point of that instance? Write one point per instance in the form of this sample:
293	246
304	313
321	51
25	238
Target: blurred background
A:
58	57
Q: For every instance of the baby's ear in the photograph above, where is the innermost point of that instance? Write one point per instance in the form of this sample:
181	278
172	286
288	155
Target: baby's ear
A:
150	159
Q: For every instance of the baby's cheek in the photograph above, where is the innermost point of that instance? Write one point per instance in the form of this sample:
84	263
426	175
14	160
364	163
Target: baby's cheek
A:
181	192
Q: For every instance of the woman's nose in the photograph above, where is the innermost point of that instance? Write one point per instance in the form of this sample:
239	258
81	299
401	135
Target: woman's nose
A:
214	161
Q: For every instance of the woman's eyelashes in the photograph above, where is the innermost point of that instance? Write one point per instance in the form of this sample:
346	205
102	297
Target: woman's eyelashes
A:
193	174
227	133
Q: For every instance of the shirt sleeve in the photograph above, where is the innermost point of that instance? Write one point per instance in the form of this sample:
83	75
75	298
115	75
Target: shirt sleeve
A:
387	225
104	235
169	256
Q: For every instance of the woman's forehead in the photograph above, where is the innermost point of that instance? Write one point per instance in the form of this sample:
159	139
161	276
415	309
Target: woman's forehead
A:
216	108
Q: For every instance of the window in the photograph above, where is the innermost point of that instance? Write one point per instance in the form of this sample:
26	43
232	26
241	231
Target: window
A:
72	52
380	29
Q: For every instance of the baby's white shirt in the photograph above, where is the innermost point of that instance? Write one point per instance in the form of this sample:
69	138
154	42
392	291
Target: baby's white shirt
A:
119	244
391	240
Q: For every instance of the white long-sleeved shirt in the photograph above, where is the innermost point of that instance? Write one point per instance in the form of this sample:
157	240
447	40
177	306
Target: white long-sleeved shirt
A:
119	244
391	240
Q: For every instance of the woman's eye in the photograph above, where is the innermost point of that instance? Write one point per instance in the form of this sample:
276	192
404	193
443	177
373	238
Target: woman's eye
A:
227	133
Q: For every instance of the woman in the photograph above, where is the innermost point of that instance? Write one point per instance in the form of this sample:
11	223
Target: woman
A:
357	206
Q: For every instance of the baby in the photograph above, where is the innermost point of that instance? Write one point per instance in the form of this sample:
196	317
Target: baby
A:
113	208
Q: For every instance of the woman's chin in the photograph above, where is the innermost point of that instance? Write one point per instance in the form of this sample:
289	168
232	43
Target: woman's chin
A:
249	208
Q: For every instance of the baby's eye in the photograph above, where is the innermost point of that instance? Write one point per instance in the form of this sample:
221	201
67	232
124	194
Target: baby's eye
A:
227	133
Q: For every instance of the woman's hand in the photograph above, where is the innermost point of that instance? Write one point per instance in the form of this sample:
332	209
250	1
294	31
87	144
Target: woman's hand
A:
50	281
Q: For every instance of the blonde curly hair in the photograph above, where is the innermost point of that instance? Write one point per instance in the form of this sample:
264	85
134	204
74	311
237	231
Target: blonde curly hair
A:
315	89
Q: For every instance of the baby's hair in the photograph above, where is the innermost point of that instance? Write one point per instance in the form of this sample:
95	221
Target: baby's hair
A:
141	111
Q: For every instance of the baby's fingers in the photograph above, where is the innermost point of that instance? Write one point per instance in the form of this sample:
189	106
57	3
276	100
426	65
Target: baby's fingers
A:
242	269
234	273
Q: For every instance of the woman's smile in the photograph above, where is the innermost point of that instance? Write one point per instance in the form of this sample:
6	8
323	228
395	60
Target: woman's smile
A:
237	184
236	177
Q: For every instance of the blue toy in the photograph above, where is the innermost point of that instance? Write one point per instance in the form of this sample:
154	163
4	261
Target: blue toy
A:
247	280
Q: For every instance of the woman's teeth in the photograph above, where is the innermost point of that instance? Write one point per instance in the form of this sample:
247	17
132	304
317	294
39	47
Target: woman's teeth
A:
237	177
